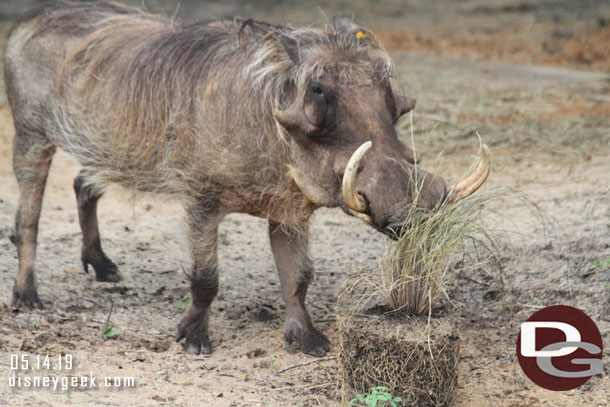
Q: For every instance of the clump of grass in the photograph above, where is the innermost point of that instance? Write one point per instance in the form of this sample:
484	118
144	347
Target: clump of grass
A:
417	266
415	269
418	263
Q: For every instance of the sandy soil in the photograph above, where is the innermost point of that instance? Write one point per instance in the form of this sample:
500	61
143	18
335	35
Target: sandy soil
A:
549	131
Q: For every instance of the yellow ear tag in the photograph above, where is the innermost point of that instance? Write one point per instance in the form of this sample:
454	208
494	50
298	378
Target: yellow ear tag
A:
360	35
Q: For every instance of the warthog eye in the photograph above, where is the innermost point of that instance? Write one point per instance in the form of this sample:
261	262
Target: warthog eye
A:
315	89
318	109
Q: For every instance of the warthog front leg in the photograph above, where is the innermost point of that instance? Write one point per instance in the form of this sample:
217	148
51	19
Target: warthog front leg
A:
204	282
91	252
289	246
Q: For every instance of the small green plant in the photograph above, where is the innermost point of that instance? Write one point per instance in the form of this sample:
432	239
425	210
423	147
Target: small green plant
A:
272	363
111	331
379	396
180	304
600	265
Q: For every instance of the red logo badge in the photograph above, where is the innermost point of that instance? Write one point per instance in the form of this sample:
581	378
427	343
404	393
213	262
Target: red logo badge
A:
560	348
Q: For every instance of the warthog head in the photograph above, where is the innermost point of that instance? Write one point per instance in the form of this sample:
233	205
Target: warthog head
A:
340	105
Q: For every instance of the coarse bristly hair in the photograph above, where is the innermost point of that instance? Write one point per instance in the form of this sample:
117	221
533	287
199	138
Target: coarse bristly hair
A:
154	104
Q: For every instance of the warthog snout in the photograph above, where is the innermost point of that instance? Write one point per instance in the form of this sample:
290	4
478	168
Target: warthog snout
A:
423	189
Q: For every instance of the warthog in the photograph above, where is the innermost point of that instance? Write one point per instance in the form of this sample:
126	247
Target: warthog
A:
228	116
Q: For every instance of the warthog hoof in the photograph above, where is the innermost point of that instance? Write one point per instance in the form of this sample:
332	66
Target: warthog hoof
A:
26	298
196	343
105	270
193	329
312	341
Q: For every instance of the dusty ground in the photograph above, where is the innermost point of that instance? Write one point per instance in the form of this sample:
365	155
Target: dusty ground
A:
549	131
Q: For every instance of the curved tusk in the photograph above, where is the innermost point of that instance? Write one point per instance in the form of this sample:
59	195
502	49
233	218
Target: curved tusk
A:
352	199
468	186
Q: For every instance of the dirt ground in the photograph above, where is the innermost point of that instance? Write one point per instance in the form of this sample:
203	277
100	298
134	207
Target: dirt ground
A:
549	132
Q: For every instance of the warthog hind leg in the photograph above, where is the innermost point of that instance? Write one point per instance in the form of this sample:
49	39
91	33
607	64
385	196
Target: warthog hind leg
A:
32	155
204	283
289	246
91	252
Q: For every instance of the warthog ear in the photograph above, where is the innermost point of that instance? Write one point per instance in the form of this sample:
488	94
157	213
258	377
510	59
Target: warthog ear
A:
404	104
291	46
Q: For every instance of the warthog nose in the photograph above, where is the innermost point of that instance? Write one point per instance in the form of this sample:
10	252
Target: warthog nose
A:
396	230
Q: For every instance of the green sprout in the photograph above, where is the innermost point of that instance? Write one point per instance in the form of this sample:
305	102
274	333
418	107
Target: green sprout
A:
185	303
379	396
111	332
